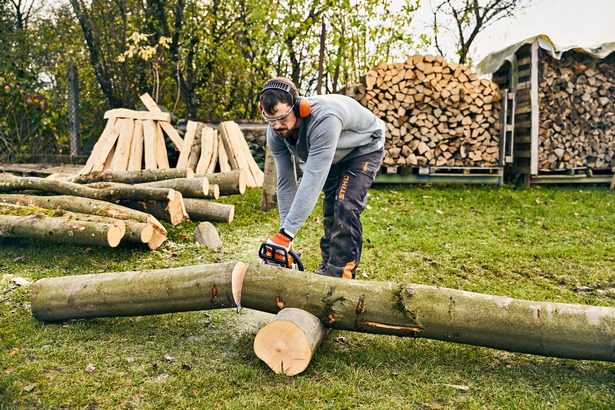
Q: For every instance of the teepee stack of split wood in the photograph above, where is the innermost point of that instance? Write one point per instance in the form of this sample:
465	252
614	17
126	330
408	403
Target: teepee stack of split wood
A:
135	140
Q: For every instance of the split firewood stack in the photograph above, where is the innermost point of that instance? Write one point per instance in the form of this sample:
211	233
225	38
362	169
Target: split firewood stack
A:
436	113
576	112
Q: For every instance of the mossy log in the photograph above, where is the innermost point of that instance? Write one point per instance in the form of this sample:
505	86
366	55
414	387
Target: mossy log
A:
230	182
204	210
62	230
133	177
543	328
189	187
136	221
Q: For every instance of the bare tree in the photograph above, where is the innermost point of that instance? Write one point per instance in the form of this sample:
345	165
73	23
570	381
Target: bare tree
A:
467	18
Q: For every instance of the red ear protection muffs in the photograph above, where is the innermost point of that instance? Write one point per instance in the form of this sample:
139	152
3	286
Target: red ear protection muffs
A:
301	105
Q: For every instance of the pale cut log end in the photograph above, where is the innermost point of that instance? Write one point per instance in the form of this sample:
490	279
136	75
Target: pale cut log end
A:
237	276
284	347
231	214
214	191
147	233
114	235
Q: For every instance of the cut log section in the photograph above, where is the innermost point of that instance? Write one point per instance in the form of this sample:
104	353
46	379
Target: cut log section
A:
134	177
139	293
61	230
133	218
204	210
288	343
189	188
229	183
402	309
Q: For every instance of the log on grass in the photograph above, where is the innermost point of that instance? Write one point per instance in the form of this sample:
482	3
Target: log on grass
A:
137	293
61	230
133	177
230	182
189	187
172	210
134	219
543	328
204	210
288	343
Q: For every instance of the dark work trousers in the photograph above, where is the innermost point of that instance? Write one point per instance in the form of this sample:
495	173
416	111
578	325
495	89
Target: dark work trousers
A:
345	197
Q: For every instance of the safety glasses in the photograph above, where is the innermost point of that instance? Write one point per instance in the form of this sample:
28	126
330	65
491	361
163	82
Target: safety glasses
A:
272	120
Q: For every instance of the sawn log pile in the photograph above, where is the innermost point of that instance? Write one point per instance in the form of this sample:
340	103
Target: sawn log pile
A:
436	113
576	111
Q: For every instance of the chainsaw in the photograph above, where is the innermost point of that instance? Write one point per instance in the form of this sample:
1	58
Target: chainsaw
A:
272	254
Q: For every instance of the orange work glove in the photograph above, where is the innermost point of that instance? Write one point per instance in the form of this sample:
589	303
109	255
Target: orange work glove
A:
282	240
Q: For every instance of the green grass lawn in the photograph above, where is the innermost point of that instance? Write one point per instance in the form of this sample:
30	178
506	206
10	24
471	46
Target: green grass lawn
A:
539	243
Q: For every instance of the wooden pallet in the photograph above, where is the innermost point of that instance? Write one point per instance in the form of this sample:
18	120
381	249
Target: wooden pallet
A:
445	175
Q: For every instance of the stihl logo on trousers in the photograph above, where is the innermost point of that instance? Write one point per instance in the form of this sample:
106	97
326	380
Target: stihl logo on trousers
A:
343	187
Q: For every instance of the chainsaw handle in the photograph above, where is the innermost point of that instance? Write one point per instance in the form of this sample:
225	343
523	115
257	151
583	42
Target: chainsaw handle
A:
262	253
296	259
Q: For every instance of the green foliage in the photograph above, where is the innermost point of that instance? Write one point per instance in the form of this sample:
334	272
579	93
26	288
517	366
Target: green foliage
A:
540	243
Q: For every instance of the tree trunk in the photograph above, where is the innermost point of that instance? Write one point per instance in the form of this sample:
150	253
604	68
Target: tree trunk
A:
230	182
189	187
288	343
148	292
96	207
269	198
61	230
133	177
203	210
543	328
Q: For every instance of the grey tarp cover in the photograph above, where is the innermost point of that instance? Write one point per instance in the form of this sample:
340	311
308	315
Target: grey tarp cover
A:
494	61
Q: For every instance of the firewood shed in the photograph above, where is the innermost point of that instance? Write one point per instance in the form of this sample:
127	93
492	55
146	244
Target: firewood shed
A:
558	116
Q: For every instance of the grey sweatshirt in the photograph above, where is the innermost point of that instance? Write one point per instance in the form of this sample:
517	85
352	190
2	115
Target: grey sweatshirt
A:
338	128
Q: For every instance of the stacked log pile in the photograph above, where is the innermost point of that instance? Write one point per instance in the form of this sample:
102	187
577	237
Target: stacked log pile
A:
110	208
436	113
135	140
576	112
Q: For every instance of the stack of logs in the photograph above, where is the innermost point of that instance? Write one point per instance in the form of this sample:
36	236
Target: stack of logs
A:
112	207
134	140
436	113
577	115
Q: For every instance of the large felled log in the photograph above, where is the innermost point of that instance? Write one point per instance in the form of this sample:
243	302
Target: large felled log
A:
61	230
204	210
135	220
543	328
139	293
133	177
288	343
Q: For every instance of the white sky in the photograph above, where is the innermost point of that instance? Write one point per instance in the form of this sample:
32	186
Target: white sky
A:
566	22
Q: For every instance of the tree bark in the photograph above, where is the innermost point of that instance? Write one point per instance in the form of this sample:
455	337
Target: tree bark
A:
230	182
288	343
61	230
189	187
204	210
543	328
96	207
133	177
269	198
147	292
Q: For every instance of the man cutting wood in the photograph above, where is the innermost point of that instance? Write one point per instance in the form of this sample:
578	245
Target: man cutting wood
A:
342	144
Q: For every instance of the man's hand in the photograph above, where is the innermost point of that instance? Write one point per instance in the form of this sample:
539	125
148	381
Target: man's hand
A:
282	240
